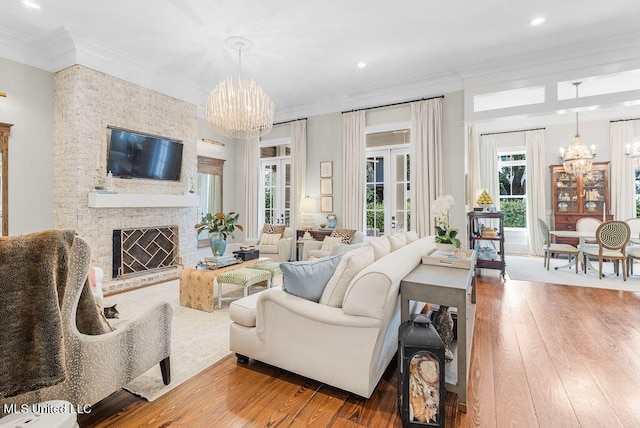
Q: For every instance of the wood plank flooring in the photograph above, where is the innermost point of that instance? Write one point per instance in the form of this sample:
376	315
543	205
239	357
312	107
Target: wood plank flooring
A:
543	355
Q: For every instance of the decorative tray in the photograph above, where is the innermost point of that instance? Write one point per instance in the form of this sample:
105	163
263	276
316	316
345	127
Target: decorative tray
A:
462	259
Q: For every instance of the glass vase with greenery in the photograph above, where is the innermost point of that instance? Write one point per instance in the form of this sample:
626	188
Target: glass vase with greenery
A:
222	223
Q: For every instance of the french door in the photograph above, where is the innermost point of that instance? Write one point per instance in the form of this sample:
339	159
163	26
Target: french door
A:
388	192
275	198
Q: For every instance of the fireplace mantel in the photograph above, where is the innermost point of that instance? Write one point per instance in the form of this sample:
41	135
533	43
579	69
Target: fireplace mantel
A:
132	200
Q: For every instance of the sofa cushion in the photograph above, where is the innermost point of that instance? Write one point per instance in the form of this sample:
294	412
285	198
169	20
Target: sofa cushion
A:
344	234
243	311
352	263
273	229
397	241
267	249
318	254
269	239
412	236
381	247
329	242
308	279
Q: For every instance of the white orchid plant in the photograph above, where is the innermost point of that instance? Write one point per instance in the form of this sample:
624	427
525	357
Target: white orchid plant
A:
444	233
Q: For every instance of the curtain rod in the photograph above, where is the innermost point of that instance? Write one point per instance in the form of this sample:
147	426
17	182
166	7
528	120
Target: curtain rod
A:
511	132
393	104
624	120
289	121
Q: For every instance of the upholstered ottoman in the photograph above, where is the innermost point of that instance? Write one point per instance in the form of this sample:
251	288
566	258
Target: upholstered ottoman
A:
244	277
274	268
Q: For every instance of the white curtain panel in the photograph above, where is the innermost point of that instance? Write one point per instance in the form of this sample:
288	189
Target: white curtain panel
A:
621	173
298	171
535	187
427	182
251	184
473	191
489	167
353	170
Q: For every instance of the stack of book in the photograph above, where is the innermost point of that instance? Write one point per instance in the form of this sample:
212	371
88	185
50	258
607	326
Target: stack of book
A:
217	262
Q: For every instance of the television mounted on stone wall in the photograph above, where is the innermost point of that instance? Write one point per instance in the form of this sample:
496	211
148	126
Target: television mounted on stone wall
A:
138	155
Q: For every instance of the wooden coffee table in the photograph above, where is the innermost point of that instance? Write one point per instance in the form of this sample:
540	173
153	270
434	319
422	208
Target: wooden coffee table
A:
196	285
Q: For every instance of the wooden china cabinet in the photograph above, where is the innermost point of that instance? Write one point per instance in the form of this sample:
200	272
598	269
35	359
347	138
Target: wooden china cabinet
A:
575	197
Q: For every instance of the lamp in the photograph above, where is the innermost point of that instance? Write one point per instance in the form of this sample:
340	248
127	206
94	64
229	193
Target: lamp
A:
577	159
238	107
308	206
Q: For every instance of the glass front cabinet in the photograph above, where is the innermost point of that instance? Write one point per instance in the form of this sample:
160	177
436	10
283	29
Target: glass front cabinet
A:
575	197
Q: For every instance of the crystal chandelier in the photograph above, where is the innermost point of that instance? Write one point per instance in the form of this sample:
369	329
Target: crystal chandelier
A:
577	159
238	107
634	154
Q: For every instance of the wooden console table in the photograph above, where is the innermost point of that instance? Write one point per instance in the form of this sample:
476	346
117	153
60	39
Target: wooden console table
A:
455	288
318	235
196	285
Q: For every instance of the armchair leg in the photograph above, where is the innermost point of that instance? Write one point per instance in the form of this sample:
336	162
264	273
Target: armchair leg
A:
242	359
165	369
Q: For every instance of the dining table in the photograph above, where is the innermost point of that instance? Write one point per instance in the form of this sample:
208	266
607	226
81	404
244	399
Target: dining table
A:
582	236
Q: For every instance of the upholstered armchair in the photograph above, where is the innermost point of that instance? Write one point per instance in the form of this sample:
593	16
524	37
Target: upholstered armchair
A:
278	250
90	366
318	249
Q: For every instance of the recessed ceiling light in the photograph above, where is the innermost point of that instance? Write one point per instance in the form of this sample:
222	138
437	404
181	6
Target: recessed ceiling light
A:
362	64
538	21
30	4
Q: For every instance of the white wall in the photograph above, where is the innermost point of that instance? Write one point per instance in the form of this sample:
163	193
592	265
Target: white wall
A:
29	107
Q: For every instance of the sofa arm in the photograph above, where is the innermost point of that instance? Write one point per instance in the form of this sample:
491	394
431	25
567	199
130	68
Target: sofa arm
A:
306	309
310	246
284	248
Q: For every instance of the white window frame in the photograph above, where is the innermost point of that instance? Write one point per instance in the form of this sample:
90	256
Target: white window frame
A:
508	152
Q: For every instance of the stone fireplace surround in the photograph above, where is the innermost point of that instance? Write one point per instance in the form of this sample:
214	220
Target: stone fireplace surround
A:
86	102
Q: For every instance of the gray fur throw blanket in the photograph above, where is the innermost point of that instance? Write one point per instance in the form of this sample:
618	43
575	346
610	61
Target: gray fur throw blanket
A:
33	283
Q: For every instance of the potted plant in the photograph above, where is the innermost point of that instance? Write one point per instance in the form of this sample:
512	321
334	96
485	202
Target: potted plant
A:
219	225
446	240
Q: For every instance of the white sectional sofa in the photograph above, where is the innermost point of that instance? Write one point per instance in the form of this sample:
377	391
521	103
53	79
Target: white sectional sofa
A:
348	347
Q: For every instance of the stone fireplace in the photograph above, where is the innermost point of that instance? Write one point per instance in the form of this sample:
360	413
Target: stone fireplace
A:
87	102
143	250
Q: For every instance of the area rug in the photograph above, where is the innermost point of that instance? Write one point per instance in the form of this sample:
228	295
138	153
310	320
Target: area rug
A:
198	339
523	268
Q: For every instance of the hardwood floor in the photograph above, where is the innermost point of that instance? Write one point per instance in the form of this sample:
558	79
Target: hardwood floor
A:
543	355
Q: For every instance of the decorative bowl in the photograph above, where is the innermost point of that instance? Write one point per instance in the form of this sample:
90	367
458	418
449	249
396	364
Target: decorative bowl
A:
484	206
323	225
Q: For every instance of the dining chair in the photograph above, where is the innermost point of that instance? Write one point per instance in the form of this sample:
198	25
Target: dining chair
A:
633	249
612	238
552	248
588	224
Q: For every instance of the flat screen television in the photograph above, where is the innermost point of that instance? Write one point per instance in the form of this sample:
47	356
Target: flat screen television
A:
137	155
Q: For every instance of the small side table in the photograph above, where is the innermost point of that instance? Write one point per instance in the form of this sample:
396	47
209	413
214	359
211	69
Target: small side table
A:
453	287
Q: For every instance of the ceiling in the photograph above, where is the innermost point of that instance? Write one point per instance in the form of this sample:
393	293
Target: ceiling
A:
304	53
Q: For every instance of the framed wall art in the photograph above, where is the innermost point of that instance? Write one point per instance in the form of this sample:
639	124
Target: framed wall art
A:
326	204
326	169
326	186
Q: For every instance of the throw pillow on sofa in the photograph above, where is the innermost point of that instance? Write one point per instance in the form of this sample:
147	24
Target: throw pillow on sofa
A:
352	263
345	234
397	241
269	239
411	236
272	228
308	279
381	247
329	242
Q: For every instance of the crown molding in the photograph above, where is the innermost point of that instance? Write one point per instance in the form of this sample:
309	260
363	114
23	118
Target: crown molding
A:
426	86
561	59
